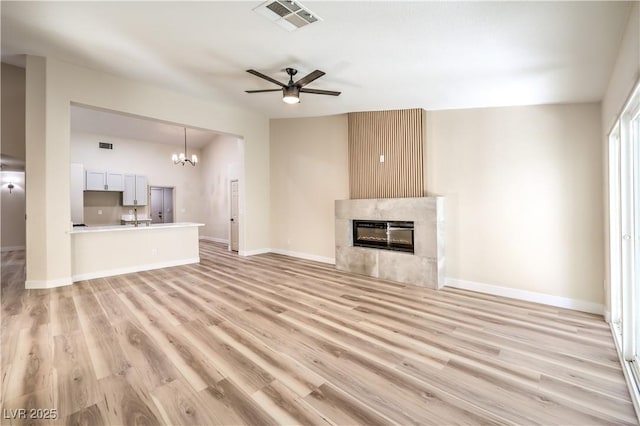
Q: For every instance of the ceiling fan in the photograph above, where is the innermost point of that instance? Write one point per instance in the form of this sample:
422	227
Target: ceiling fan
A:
291	91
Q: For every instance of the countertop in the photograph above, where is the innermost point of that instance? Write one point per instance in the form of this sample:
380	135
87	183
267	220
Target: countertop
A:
140	227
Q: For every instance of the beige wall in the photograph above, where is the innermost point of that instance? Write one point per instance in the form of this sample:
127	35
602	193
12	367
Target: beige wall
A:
625	73
12	222
51	87
309	171
41	249
13	208
522	189
523	196
13	100
222	161
105	208
143	158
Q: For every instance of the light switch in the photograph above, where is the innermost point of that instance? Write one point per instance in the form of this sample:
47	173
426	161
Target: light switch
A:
99	211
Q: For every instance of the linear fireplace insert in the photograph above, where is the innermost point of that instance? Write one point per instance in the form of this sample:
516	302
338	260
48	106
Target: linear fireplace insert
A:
383	234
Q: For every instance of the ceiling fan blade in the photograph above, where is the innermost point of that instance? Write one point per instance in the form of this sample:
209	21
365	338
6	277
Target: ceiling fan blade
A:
320	92
309	78
261	91
266	77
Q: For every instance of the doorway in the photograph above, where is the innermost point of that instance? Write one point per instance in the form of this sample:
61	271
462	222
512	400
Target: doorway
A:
161	204
234	223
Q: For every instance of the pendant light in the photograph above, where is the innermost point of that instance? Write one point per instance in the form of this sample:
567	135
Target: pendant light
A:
182	157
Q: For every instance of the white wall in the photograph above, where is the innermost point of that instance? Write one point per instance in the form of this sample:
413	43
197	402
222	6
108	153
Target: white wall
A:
523	196
222	160
309	171
51	87
144	158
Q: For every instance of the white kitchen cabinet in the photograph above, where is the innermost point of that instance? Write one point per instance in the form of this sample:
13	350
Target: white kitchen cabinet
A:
100	180
95	180
77	193
135	190
115	181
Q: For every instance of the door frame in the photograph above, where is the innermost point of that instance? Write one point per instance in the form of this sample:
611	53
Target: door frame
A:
231	181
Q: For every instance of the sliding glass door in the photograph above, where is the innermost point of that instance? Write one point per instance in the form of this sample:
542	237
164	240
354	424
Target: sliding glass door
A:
624	232
615	236
634	292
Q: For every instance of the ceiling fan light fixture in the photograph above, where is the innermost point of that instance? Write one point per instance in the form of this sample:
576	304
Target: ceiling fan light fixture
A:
291	91
291	94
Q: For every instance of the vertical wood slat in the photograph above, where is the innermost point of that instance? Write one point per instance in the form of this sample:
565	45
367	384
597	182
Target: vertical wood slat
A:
399	136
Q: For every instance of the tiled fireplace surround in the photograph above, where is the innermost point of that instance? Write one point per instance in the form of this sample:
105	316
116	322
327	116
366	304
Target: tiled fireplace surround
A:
425	267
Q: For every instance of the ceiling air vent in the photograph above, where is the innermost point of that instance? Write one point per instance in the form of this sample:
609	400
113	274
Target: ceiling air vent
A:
288	14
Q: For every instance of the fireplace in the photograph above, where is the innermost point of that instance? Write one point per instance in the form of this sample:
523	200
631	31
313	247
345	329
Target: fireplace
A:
382	234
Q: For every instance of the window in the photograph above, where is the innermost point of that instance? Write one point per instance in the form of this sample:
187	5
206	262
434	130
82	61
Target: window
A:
624	232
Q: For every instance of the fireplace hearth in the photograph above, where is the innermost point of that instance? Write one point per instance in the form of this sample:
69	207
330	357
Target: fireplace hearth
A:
413	229
385	235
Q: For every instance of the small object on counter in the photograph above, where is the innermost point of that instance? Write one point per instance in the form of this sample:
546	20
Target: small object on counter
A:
131	222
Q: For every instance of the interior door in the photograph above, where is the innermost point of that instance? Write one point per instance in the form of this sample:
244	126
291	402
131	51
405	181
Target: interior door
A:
161	208
157	203
234	224
167	205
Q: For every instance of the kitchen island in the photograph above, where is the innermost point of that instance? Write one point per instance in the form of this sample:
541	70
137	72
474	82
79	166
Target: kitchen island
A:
102	251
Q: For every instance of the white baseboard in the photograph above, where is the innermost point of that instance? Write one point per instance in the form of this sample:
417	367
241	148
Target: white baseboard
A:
254	252
215	239
12	248
305	256
529	296
39	284
136	268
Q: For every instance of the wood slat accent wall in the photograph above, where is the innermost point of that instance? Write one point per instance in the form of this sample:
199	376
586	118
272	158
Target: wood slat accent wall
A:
399	136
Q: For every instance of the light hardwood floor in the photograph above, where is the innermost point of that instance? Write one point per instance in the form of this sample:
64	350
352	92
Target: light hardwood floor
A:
276	340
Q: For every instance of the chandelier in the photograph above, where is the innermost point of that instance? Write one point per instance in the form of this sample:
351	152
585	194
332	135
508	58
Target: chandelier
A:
182	157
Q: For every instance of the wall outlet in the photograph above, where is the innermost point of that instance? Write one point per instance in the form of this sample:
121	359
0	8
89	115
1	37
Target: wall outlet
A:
382	158
154	252
130	211
99	211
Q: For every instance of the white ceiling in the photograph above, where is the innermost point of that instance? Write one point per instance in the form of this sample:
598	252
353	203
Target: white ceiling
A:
380	54
126	126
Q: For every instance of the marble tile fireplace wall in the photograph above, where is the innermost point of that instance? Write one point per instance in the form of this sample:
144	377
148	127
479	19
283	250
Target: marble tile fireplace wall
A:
424	267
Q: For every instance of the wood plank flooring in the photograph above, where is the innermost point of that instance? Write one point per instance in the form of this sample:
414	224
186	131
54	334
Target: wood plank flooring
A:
275	340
